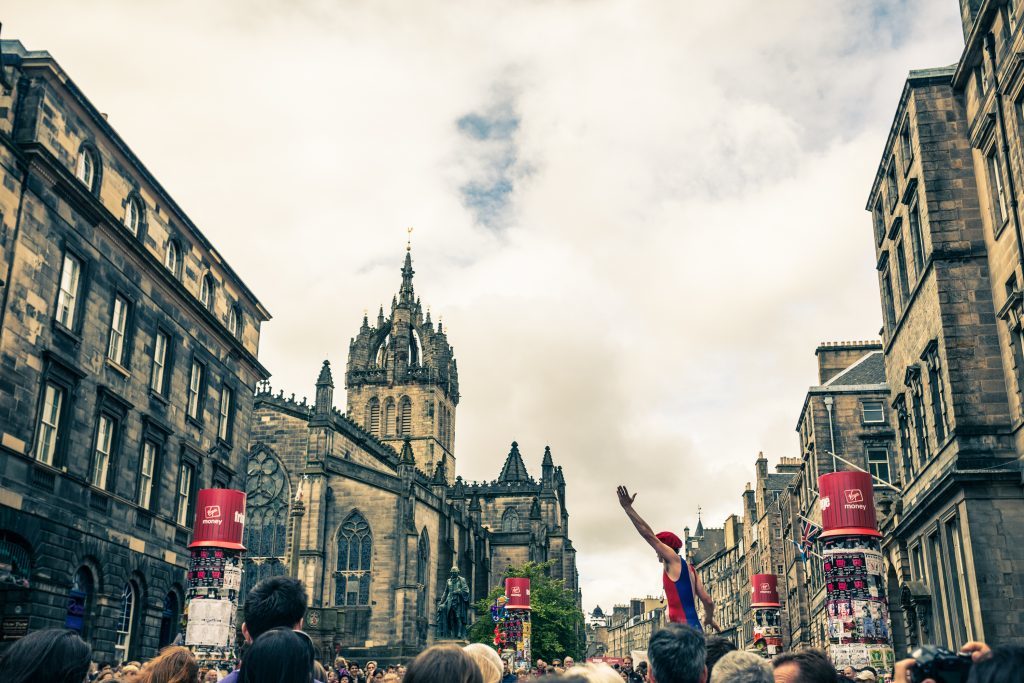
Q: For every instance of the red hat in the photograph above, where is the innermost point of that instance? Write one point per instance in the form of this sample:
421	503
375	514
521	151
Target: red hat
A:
670	539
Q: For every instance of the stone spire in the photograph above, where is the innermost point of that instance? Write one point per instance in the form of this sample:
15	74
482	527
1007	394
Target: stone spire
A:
514	469
547	470
699	531
407	457
405	293
324	390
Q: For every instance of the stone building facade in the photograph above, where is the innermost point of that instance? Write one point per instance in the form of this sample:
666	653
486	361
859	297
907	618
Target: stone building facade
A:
723	572
382	520
847	413
127	368
943	203
630	627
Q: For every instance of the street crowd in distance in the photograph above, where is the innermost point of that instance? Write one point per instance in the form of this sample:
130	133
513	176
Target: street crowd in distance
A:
277	651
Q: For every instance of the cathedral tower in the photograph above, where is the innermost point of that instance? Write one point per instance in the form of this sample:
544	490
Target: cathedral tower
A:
403	382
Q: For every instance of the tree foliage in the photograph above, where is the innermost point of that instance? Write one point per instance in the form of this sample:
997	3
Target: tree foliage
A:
556	618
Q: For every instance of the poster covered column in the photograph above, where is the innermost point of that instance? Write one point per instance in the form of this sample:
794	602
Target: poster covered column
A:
765	609
215	576
856	603
512	630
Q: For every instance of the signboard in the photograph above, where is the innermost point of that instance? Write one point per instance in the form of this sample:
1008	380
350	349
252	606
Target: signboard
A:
220	518
517	592
211	623
13	628
847	505
764	590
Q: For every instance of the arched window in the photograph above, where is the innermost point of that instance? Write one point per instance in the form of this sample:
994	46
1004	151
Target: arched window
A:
415	348
355	552
234	322
133	215
172	259
87	169
405	416
169	619
389	417
80	602
125	621
206	291
382	351
510	520
373	416
266	525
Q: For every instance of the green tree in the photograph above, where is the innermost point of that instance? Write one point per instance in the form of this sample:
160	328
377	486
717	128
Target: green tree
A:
557	620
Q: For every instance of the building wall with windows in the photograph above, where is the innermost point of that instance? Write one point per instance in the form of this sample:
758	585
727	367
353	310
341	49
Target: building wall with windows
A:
380	532
724	575
948	356
122	391
631	626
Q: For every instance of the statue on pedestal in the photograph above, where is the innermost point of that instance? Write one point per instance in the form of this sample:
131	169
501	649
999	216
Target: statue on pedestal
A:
453	607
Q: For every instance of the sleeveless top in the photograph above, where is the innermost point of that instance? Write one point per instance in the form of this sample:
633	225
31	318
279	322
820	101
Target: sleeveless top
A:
681	596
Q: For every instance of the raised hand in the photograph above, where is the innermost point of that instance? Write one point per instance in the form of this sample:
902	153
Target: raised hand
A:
625	500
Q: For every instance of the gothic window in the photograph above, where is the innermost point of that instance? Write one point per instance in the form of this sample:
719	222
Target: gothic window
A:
405	416
266	528
510	520
382	351
373	416
389	417
422	568
415	348
355	551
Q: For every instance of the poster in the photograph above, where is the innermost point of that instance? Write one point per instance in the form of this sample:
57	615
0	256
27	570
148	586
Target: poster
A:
856	606
211	623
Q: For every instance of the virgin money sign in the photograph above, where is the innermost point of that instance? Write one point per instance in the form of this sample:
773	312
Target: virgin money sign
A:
220	519
764	590
517	591
847	504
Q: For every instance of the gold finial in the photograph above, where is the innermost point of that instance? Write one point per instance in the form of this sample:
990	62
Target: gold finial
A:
408	243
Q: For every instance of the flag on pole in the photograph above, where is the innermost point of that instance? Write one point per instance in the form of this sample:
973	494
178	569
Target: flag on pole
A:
809	532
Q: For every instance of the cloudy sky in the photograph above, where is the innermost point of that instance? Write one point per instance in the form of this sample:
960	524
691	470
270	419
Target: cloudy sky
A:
637	220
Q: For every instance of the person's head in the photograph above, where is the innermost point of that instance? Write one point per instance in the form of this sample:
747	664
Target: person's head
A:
541	664
174	664
487	660
676	654
211	676
866	675
443	663
1002	664
52	655
742	667
849	672
274	602
716	647
279	655
319	672
804	666
569	662
669	539
591	673
627	663
390	677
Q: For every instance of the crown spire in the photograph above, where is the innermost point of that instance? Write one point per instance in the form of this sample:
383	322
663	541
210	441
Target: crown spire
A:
405	294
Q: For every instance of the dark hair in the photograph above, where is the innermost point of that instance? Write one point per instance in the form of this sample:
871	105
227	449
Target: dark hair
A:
54	655
277	601
716	647
174	664
814	666
676	654
1004	664
278	656
446	663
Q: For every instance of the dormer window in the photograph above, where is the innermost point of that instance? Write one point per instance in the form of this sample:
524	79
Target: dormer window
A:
87	168
133	215
206	292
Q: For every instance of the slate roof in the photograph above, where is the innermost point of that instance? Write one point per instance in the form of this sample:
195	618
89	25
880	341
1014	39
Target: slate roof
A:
870	369
514	469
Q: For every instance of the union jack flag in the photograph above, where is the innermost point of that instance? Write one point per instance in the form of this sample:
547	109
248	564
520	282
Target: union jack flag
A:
809	531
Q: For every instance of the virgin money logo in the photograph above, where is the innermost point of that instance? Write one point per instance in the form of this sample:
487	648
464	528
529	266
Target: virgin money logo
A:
516	591
825	502
765	587
854	495
213	511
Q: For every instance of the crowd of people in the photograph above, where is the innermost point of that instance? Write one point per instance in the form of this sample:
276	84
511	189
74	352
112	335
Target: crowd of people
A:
277	651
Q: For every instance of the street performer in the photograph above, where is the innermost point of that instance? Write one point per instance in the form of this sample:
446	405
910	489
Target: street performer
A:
682	585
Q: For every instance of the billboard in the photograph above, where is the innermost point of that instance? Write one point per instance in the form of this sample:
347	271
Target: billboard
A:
764	590
220	519
847	505
517	592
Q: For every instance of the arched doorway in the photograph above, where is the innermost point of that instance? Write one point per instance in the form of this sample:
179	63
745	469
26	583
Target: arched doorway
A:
169	619
80	602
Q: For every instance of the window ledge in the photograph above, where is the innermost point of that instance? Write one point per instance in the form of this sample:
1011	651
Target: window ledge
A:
195	422
998	230
157	396
67	332
120	369
224	444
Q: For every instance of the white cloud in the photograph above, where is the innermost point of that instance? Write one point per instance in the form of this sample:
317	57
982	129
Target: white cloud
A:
685	218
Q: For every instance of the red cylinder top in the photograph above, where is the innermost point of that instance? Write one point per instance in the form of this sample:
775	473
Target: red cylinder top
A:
764	590
220	519
517	591
847	504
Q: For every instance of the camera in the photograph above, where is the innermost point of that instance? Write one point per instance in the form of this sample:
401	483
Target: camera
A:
939	664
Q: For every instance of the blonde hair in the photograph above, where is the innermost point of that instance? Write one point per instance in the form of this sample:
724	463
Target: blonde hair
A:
487	660
597	672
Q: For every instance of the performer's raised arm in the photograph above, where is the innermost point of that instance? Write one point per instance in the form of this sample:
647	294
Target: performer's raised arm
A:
668	555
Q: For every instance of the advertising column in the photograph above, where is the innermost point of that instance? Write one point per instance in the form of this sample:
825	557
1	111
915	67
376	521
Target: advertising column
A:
767	614
857	609
512	632
215	576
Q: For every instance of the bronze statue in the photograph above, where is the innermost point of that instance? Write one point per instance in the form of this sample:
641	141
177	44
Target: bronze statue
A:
453	607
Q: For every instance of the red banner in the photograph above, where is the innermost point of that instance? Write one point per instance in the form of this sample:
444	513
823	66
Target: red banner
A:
517	592
220	519
765	590
847	504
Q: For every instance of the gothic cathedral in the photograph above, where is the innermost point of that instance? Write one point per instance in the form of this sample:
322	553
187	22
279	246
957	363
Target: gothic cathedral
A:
360	504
